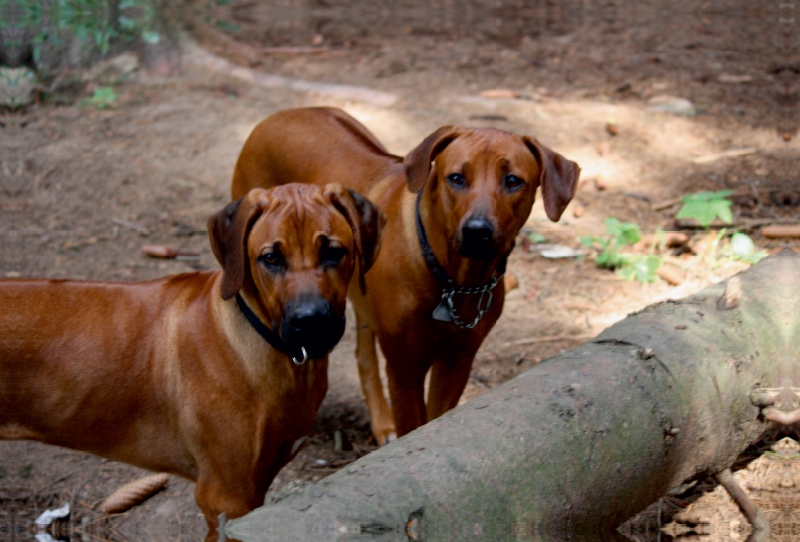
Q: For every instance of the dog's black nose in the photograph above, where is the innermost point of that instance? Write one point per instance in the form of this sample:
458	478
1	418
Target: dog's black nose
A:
310	323
477	231
309	315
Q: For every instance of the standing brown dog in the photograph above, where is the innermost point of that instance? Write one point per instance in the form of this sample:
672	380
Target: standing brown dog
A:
214	376
434	292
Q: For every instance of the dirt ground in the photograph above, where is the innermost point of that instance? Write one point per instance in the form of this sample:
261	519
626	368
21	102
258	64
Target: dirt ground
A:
83	188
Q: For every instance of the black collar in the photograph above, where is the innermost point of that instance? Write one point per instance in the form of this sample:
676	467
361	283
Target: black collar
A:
270	336
446	310
438	272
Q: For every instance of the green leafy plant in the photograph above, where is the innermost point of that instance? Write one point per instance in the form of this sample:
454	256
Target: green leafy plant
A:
630	266
535	237
103	97
743	249
96	23
706	206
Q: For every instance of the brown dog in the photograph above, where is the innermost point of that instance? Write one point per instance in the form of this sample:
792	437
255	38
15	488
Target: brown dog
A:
433	294
214	376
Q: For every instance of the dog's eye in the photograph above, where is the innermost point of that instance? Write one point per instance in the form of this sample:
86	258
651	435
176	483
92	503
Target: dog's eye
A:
512	181
332	256
272	260
456	179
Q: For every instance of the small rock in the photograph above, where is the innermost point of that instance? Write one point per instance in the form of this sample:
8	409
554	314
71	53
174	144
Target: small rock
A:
672	274
499	94
510	281
600	183
665	103
317	40
114	69
612	128
787	136
604	148
578	211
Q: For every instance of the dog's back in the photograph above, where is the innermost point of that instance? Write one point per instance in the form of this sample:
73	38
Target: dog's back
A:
316	145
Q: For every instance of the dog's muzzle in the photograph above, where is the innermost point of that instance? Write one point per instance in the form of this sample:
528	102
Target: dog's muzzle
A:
477	238
309	323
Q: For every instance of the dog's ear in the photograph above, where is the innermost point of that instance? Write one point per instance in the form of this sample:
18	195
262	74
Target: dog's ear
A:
418	162
228	230
366	221
558	178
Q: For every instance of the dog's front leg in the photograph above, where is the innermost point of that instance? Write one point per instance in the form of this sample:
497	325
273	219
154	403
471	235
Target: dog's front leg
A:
406	374
448	379
234	496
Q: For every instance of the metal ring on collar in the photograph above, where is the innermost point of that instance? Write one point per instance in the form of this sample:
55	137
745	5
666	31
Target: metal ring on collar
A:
305	357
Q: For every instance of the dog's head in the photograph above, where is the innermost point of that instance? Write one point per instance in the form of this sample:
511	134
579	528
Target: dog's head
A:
293	250
483	182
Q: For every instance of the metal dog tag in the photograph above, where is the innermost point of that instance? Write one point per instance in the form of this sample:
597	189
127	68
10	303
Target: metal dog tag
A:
442	312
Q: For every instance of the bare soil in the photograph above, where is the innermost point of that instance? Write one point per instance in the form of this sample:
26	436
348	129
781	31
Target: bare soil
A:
83	189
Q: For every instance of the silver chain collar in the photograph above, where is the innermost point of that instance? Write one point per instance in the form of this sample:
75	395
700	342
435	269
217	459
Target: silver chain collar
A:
484	301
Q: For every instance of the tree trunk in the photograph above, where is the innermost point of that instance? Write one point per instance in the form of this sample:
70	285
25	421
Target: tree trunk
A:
581	442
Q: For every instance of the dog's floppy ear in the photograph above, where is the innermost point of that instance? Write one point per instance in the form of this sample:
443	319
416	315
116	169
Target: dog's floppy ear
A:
418	162
366	221
227	230
557	176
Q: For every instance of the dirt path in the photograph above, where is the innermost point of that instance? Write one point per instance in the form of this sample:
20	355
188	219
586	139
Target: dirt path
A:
79	182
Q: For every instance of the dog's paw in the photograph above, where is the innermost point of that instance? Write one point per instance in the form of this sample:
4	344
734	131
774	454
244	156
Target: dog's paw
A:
390	437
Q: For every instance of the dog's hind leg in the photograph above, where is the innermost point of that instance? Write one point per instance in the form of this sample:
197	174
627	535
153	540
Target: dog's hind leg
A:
381	420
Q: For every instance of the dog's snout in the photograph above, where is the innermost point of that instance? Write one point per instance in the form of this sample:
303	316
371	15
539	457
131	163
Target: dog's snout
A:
309	322
309	314
478	230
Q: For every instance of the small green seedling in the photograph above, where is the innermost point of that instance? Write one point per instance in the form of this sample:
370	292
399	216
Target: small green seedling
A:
103	97
629	266
535	238
706	206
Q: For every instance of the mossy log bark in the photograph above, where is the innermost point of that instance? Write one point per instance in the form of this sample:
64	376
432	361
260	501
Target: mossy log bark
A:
581	442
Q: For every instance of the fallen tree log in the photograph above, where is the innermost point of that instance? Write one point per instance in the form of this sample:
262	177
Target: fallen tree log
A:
581	442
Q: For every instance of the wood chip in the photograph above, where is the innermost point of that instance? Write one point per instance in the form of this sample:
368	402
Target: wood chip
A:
133	493
732	296
159	251
672	274
163	251
499	94
781	231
